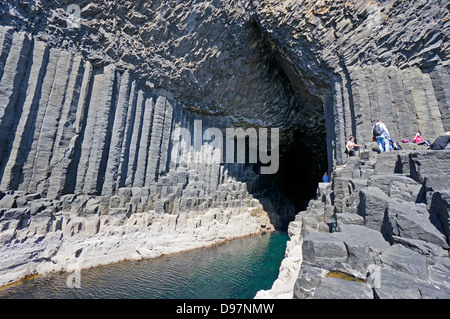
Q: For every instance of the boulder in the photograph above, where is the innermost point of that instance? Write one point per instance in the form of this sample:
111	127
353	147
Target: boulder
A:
372	206
361	234
351	204
420	246
8	201
439	270
431	167
413	221
348	218
410	192
387	163
404	260
398	285
396	186
308	281
352	249
324	250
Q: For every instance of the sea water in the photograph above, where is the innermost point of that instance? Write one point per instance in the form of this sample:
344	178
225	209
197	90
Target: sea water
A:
235	269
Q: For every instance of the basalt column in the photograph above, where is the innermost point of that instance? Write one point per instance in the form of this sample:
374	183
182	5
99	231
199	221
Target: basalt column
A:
72	127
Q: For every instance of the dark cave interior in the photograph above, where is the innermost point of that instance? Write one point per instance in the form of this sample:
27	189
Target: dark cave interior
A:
303	143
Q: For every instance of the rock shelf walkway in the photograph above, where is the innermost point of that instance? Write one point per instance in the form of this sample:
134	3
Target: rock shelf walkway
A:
382	221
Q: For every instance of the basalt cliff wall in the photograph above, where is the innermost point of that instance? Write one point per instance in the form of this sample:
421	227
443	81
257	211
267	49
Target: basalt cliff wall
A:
92	94
92	166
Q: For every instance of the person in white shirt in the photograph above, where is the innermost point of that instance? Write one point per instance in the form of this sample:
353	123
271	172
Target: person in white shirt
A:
381	134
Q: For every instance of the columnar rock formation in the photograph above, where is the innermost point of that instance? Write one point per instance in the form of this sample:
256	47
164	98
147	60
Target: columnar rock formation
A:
85	130
93	94
301	65
384	60
380	229
94	142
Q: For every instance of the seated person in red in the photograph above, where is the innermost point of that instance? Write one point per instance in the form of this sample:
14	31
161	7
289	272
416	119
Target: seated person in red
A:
418	139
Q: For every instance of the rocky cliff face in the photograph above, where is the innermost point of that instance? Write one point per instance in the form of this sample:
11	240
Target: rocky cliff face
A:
93	141
366	61
319	70
93	92
380	229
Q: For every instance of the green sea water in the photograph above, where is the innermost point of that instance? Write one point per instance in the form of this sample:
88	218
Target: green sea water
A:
236	269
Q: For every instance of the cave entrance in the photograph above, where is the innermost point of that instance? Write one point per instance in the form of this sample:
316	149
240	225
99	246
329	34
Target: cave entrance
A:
301	169
302	162
303	141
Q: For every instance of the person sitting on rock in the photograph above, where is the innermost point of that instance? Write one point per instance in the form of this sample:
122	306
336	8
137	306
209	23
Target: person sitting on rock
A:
442	142
418	139
381	134
351	147
393	146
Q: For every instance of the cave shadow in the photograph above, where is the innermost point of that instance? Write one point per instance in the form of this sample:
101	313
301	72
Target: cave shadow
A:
288	191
